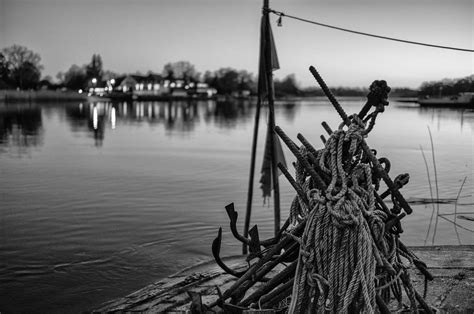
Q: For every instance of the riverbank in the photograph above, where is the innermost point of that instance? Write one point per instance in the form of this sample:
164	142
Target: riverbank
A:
14	96
8	96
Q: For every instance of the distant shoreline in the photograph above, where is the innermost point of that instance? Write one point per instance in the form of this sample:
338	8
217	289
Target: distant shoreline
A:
7	96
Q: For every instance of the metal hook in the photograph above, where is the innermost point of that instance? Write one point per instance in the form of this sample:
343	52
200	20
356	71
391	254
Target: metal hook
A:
216	249
233	228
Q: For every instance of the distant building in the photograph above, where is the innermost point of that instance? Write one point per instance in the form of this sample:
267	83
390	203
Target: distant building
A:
97	87
203	90
154	85
124	84
241	94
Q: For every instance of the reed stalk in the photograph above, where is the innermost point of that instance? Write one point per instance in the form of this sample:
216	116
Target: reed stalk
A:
456	209
431	193
436	185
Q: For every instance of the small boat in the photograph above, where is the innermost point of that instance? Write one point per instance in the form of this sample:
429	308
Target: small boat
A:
459	100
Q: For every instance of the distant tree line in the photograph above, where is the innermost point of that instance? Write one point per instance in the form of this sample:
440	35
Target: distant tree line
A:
357	92
81	77
20	68
228	80
448	87
337	91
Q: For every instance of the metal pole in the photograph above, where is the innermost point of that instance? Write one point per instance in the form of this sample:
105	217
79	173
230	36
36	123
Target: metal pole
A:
248	213
271	120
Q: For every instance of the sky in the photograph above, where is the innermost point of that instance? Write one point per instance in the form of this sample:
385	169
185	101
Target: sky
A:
143	35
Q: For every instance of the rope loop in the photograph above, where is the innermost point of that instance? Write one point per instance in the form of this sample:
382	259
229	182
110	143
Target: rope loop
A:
355	133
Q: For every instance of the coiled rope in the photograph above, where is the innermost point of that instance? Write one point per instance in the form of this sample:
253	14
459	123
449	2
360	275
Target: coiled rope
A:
339	247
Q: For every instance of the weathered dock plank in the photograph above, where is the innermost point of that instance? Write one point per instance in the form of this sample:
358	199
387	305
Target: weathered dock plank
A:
452	289
446	257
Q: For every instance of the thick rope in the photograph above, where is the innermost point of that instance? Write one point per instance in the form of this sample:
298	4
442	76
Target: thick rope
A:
337	263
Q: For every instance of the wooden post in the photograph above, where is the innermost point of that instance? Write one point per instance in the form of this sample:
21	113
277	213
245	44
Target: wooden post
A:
248	213
271	134
271	119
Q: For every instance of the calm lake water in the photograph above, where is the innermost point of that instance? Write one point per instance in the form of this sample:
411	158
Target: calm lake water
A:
98	200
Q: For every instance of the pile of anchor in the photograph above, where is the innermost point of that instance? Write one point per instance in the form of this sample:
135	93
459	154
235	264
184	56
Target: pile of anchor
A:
340	246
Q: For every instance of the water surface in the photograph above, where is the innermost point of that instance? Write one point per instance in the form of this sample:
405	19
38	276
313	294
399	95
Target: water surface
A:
100	199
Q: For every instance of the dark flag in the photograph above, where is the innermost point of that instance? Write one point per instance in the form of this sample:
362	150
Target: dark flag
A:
262	77
266	178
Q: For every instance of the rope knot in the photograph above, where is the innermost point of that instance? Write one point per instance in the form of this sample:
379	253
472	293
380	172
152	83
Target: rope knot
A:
377	224
314	195
355	133
379	90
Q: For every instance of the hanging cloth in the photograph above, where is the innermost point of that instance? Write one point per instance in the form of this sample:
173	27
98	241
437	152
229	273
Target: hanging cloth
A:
262	77
263	83
266	183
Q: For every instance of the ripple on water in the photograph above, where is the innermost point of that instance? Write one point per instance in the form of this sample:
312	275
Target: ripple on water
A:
87	216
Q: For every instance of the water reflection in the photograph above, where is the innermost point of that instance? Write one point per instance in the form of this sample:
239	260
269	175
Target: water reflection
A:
92	117
175	116
228	113
464	116
289	109
113	118
441	115
21	127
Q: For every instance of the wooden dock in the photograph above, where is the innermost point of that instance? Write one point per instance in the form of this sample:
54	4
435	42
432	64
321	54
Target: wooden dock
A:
451	291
